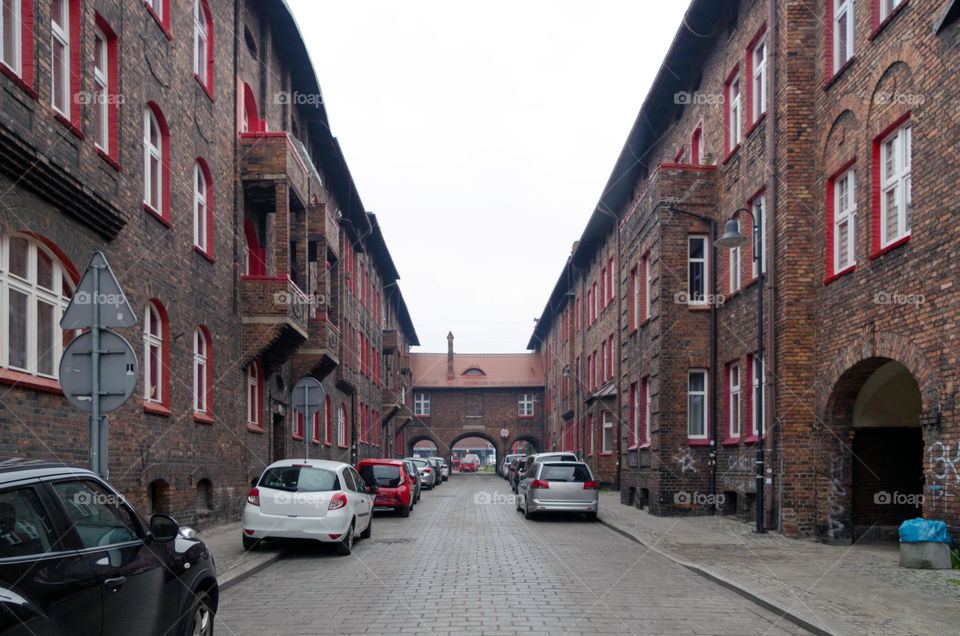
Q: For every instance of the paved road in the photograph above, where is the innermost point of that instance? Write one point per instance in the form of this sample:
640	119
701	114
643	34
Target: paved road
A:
460	564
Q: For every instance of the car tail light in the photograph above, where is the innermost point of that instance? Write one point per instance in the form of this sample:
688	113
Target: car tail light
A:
591	485
334	536
539	483
426	470
339	500
254	497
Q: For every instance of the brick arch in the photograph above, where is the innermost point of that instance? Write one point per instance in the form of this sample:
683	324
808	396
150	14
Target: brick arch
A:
421	437
200	472
537	444
891	72
157	471
843	118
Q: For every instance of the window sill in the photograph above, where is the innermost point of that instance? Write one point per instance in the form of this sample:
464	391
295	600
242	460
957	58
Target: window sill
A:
752	439
343	446
645	322
29	381
733	294
298	438
206	89
606	454
832	277
887	20
698	442
731	441
110	160
698	306
199	250
252	428
148	208
327	444
156	409
525	417
833	78
203	418
645	446
731	153
754	125
633	447
894	245
26	88
163	27
69	125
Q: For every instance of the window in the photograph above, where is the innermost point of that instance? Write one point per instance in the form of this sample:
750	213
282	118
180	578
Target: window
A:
328	414
634	299
342	426
60	56
734	130
757	59
315	428
735	258
844	226
733	400
645	409
97	514
525	405
155	354
254	395
634	415
157	7
611	283
202	371
156	144
35	289
590	431
10	32
895	186
887	7
297	425
759	208
843	32
160	10
203	45
25	528
697	404
421	404
610	351
604	360
101	91
697	270
647	287
758	391
696	146
607	442
202	212
603	288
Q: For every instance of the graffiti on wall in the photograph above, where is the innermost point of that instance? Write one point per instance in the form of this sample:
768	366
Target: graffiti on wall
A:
836	497
944	478
685	458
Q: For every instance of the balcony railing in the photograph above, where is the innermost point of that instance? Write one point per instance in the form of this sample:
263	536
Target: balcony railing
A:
266	156
274	312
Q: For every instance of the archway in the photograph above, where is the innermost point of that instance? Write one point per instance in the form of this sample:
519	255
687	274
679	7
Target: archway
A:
479	444
415	442
523	444
425	448
876	480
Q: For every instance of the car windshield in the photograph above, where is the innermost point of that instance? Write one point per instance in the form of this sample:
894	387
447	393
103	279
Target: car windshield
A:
422	463
564	472
383	475
300	479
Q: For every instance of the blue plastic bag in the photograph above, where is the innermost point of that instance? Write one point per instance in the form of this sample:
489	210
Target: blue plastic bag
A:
920	529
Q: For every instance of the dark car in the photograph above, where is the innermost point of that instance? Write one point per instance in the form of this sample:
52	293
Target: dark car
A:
77	558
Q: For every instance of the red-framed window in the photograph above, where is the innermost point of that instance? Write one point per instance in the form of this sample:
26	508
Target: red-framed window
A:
645	406
892	186
733	400
156	163
613	358
590	432
16	43
634	416
755	382
203	45
840	37
297	432
733	111
254	392
202	375
203	208
525	403
603	288
634	299
604	360
882	11
697	405
328	413
696	145
363	423
646	296
160	10
315	428
757	205
841	220
250	121
577	315
596	303
66	57
756	77
156	357
342	426
105	103
611	284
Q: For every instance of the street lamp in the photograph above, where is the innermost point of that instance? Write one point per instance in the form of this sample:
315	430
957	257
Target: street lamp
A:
732	238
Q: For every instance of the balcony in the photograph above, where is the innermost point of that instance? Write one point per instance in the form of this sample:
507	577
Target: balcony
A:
390	340
391	399
272	156
405	364
320	355
273	312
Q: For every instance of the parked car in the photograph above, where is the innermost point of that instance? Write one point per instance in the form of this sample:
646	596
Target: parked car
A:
505	464
437	464
512	470
393	484
444	468
566	486
77	558
469	464
414	475
309	499
455	463
428	476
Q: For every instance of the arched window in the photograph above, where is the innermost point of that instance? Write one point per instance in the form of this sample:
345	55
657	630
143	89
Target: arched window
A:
156	163
204	496
35	288
203	45
160	10
250	122
202	375
202	208
316	428
254	256
156	355
328	438
342	426
254	395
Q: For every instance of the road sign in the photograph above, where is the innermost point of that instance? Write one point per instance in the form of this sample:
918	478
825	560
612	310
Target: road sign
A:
308	400
119	371
114	309
504	433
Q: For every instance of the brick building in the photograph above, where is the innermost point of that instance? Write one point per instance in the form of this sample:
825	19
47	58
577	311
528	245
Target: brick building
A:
815	116
187	140
475	395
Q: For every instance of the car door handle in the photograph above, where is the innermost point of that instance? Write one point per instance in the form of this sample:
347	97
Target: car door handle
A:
114	584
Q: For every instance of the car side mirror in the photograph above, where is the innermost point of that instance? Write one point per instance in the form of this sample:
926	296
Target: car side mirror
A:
164	528
372	489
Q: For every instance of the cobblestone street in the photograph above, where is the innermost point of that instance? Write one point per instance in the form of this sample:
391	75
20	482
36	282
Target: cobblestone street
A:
466	561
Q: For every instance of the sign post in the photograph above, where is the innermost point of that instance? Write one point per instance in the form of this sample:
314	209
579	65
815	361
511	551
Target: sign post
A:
307	400
98	370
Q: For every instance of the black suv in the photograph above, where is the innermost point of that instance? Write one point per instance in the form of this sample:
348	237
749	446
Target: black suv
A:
76	558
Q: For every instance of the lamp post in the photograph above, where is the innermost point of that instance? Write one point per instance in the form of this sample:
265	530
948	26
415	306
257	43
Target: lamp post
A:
732	238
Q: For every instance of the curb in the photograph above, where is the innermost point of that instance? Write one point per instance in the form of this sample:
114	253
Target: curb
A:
232	577
729	584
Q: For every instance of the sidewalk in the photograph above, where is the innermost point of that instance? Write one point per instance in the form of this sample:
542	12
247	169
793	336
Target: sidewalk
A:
829	589
233	563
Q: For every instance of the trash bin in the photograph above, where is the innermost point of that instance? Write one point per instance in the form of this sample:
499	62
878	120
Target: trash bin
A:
924	544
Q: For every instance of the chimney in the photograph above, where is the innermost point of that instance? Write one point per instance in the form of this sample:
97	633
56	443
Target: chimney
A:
450	355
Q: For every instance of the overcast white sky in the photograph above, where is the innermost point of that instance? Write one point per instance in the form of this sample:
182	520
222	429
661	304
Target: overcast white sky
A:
482	134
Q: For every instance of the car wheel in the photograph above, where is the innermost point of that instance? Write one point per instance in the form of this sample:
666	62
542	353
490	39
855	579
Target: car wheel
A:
249	543
516	500
404	511
592	516
368	531
345	546
526	511
198	621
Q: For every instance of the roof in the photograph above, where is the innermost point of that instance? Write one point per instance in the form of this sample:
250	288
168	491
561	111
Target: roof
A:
380	462
500	370
21	468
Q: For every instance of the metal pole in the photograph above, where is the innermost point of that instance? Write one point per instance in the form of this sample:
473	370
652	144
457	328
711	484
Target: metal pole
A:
306	409
758	233
95	378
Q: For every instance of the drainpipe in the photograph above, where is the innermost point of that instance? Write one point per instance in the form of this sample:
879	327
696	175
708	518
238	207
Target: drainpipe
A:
771	217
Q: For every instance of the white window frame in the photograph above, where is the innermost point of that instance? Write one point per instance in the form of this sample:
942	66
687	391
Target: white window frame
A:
759	209
200	42
843	10
10	36
647	287
157	6
421	404
151	315
735	124
200	357
733	415
635	424
899	183
57	299
646	408
887	7
253	395
606	444
703	395
152	153
692	297
60	34
844	216
757	391
736	265
101	82
525	403
201	189
637	298
759	104
342	426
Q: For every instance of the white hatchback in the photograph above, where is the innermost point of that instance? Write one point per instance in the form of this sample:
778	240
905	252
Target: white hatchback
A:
309	499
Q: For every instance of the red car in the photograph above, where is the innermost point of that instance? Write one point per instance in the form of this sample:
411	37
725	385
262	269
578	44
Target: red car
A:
469	463
393	483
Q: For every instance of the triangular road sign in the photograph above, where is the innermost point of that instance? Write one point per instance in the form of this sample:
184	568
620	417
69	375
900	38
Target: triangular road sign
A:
115	311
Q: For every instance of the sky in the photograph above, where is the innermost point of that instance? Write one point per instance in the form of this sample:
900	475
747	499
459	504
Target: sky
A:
482	134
